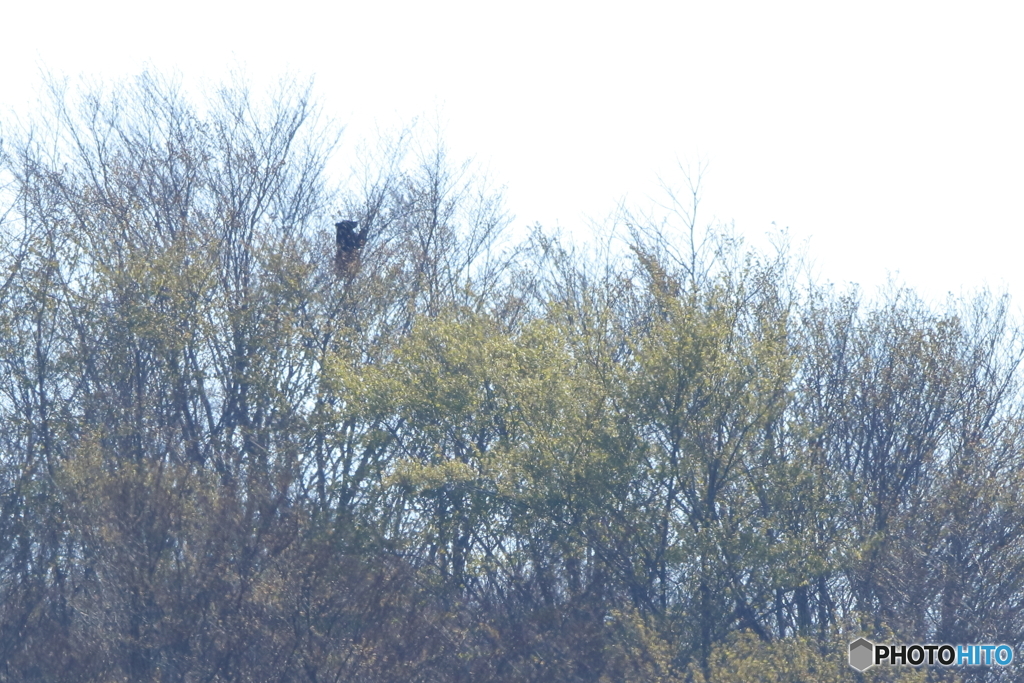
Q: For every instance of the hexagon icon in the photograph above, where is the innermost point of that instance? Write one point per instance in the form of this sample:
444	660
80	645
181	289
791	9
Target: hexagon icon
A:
862	654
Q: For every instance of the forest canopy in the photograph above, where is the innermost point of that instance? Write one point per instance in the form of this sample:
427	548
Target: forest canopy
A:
227	454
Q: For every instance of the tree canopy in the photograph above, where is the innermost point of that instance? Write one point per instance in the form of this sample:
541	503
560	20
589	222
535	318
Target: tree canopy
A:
459	458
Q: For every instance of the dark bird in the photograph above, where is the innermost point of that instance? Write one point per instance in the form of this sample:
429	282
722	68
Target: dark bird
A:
349	242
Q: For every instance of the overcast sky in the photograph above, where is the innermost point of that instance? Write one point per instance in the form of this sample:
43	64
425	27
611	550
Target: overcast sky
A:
888	134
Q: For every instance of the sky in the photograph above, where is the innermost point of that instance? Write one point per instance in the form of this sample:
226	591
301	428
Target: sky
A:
885	136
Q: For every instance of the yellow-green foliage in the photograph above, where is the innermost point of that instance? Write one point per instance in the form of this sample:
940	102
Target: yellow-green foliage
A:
745	658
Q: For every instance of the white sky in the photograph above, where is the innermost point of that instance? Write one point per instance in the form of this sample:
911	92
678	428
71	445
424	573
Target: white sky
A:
888	133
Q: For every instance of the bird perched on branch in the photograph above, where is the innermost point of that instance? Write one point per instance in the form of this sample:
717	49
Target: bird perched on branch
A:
350	241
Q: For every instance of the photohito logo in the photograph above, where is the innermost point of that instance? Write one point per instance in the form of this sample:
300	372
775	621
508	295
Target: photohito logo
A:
864	654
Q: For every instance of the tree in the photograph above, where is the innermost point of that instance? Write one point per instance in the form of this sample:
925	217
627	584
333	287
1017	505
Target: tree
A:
224	457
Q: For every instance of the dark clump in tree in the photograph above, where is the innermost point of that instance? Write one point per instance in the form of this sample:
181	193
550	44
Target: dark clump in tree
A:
348	243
